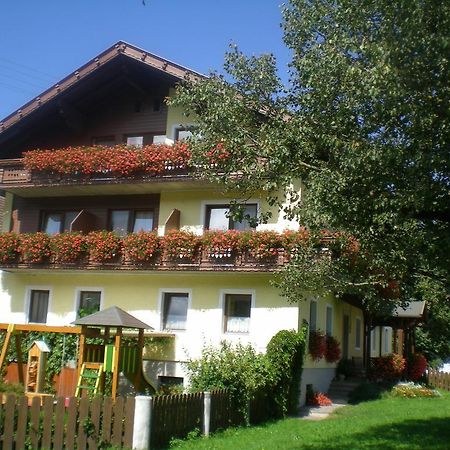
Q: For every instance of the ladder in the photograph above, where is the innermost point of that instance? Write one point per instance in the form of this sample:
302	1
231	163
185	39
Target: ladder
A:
89	379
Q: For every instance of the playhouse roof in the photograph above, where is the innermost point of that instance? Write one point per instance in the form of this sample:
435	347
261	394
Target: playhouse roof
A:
112	317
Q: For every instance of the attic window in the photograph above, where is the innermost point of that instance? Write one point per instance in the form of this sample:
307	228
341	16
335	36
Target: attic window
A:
182	133
105	141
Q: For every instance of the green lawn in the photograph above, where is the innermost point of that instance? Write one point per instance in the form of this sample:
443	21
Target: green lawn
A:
391	423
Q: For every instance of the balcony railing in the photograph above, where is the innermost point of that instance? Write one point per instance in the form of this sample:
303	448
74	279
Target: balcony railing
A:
95	165
252	251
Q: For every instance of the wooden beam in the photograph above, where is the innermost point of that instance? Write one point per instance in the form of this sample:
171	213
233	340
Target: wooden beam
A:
42	328
19	358
115	377
10	331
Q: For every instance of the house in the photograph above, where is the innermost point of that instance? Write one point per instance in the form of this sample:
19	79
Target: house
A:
118	98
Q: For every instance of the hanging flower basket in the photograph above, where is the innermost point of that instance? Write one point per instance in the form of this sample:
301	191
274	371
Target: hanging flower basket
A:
333	351
34	247
317	346
9	247
222	244
262	245
141	247
103	246
68	247
181	245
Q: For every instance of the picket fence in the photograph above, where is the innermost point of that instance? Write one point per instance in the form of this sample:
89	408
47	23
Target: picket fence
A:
101	422
439	380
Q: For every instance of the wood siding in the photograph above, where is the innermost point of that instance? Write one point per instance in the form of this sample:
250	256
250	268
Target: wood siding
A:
121	113
27	212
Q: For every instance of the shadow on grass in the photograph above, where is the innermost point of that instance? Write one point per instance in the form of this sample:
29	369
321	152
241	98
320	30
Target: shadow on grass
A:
432	433
367	392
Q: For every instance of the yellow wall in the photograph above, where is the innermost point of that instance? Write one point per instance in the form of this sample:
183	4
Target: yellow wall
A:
191	204
339	309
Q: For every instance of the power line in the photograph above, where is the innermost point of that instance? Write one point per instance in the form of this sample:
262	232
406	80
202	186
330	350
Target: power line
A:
51	77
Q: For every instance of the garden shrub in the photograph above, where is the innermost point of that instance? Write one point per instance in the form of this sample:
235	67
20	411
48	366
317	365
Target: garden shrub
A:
416	366
285	352
388	368
366	392
239	369
236	368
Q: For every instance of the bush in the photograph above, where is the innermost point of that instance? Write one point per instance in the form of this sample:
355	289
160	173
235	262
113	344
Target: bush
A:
367	392
388	368
236	368
416	366
285	352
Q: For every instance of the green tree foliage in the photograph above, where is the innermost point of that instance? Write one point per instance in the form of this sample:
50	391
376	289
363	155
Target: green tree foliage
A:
364	123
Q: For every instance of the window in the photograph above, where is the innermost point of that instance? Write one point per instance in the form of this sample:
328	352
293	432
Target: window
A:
58	221
181	134
357	333
38	306
386	340
329	323
175	307
217	217
312	315
88	302
237	313
139	139
105	141
124	221
373	339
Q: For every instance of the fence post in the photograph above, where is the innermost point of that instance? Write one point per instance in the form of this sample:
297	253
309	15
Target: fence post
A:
206	412
142	422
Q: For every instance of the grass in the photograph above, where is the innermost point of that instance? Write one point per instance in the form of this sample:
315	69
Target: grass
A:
387	423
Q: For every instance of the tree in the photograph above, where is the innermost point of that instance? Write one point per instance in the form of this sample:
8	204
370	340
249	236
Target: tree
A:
364	123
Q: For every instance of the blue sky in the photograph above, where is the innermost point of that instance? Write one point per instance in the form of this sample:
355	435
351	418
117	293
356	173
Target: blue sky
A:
43	41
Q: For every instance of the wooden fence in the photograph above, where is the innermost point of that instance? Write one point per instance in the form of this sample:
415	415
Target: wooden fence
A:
65	424
439	380
71	423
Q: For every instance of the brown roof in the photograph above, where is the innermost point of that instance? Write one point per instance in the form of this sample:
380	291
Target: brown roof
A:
164	66
112	317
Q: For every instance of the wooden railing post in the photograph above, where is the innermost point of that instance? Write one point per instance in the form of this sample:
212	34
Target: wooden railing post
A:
142	422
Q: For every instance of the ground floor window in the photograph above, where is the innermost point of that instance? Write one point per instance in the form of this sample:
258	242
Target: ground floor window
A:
88	303
175	307
357	333
38	306
237	311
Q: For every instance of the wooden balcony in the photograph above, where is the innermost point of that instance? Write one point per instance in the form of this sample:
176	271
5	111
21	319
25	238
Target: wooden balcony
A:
202	262
15	178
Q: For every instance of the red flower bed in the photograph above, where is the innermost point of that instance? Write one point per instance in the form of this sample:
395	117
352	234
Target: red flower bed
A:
142	246
120	160
34	247
387	368
222	244
317	346
68	247
103	246
181	244
333	351
9	247
416	366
